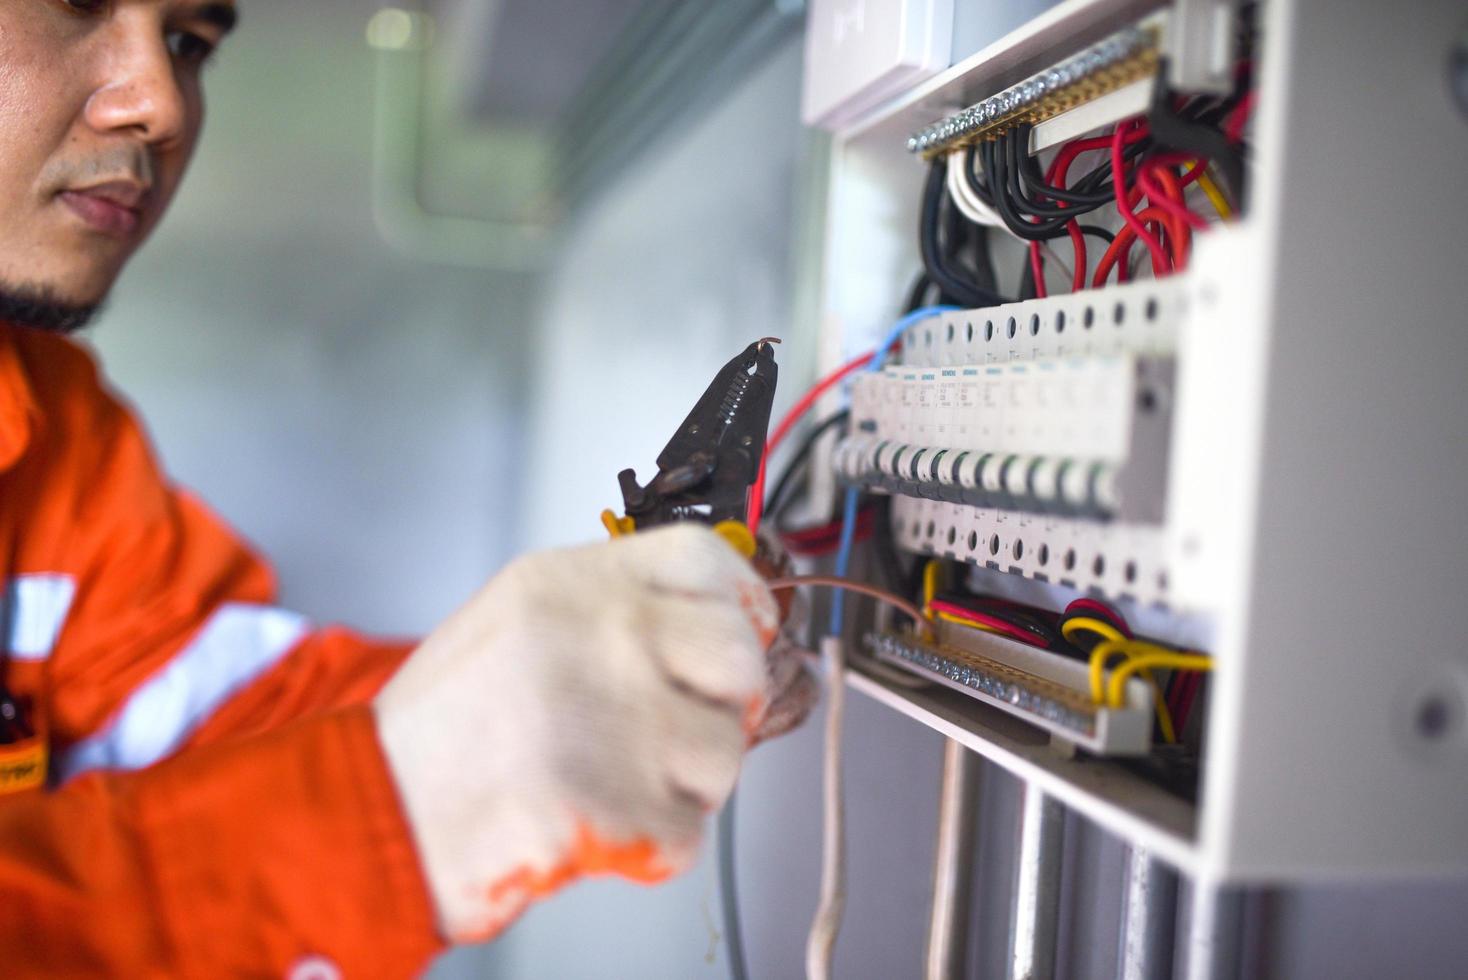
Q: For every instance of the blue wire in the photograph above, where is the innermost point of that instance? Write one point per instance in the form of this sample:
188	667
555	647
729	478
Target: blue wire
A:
848	504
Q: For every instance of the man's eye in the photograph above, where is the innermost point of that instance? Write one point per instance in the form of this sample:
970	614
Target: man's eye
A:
86	6
189	47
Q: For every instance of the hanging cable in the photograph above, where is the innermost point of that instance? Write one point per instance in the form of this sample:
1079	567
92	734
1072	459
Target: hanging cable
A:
729	892
822	939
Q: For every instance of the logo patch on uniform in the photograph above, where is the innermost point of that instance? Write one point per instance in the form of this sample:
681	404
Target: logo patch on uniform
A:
22	765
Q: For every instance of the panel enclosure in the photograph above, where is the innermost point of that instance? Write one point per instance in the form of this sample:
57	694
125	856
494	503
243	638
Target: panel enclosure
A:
1311	534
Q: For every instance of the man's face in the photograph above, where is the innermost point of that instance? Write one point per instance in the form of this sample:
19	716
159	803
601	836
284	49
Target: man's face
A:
100	108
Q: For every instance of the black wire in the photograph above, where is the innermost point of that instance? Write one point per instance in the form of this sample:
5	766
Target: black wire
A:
1004	161
1029	174
1010	151
998	175
917	296
729	893
964	248
971	176
1098	232
777	498
1093	188
964	293
1171	129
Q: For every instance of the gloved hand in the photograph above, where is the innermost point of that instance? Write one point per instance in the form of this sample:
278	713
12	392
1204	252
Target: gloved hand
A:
581	715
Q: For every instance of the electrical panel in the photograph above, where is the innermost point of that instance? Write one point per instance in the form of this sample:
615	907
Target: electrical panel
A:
1190	448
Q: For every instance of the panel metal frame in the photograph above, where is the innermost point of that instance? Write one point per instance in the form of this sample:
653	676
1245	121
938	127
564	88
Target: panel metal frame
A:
1316	479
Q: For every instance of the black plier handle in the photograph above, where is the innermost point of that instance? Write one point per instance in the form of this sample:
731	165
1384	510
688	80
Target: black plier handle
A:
706	470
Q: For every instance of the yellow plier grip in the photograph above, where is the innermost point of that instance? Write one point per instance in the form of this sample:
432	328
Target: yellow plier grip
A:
737	533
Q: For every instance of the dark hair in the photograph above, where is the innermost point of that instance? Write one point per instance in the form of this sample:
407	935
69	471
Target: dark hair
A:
38	307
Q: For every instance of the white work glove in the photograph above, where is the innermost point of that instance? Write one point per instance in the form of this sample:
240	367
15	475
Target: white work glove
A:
581	715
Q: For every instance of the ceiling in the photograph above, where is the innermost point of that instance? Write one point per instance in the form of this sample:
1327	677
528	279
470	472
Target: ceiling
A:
533	56
510	114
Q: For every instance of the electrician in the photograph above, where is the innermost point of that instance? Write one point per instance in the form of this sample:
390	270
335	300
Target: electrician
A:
198	783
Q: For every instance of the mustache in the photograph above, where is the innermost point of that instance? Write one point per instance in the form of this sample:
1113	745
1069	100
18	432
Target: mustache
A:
131	163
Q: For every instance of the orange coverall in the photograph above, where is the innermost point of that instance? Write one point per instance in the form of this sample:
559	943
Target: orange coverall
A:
267	840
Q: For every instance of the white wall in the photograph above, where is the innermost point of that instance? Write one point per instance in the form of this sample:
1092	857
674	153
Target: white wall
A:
354	413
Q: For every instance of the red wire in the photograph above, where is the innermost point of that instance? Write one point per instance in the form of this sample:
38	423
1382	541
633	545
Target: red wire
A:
824	539
1124	204
1121	246
1233	126
1177	239
1094	607
757	491
1196	165
1174	696
1172	189
1057	176
1003	626
1061	164
1186	698
1078	242
1167	197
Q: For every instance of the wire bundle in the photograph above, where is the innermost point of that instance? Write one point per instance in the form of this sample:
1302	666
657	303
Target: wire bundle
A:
1138	657
1151	161
1083	617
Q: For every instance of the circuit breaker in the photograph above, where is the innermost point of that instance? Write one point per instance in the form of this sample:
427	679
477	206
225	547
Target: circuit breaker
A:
1238	434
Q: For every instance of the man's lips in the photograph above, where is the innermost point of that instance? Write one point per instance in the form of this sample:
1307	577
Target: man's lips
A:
114	209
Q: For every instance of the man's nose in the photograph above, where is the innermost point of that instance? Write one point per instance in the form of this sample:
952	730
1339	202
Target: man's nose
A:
140	93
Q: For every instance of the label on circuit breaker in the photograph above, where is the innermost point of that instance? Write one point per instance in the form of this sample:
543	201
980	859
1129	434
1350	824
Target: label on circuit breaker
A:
1056	408
867	402
945	412
907	387
966	417
924	428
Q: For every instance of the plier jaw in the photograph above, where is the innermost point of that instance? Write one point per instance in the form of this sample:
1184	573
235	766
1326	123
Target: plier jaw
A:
706	470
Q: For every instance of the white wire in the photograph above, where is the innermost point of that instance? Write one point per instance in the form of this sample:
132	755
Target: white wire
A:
965	199
821	942
977	211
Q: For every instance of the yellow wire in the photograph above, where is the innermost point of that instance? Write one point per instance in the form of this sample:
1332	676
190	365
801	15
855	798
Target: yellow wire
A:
1164	717
1140	656
932	571
1220	203
1173	661
1103	652
1098	626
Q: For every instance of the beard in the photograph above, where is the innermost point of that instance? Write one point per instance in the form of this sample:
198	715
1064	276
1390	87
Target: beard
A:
39	308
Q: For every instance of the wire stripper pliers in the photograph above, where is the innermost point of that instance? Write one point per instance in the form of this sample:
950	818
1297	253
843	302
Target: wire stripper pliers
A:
706	470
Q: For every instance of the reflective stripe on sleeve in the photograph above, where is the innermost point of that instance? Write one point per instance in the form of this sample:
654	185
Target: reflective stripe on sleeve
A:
238	643
35	609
